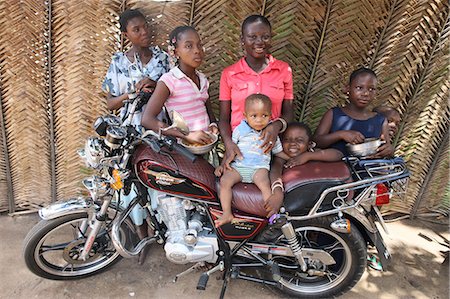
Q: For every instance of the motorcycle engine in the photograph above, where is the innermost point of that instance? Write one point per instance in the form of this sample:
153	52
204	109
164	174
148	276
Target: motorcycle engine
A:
187	239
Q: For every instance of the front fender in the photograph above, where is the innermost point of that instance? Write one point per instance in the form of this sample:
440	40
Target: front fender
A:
66	207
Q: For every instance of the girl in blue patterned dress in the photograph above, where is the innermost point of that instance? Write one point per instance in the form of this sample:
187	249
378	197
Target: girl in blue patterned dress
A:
132	71
137	69
355	122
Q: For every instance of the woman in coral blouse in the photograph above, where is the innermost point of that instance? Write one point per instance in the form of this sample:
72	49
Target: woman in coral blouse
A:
256	72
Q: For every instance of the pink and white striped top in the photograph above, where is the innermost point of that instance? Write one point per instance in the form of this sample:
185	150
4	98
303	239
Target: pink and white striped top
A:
187	99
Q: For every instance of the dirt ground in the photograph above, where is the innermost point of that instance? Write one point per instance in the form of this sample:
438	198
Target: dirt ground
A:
415	272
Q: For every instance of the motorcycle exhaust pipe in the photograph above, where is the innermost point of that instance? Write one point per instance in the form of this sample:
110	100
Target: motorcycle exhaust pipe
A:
115	234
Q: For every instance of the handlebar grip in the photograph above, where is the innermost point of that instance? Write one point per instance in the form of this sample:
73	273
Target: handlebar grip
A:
184	151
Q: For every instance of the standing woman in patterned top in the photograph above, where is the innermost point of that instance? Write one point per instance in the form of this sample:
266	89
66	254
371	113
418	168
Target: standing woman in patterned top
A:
137	69
183	89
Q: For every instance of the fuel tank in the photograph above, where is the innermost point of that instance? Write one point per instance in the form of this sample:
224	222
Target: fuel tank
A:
177	176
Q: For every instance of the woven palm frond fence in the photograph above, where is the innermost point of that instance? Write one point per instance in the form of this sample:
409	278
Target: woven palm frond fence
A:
55	53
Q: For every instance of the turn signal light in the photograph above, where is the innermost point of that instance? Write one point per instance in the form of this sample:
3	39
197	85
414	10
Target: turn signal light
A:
118	184
382	195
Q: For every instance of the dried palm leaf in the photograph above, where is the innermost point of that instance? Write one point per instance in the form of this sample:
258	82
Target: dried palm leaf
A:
81	55
23	77
434	194
427	108
347	33
298	41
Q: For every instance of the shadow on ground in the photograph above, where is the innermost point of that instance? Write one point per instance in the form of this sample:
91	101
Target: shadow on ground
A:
415	271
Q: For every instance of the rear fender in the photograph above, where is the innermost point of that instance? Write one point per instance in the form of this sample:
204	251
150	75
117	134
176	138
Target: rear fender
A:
370	233
66	207
360	216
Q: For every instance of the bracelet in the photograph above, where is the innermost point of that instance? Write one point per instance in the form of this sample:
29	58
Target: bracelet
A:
214	124
277	183
283	124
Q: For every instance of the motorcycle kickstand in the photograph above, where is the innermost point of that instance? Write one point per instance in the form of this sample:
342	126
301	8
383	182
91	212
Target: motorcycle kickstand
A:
226	279
189	270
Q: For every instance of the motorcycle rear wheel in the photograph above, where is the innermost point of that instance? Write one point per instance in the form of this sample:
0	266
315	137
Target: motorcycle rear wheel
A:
52	248
348	250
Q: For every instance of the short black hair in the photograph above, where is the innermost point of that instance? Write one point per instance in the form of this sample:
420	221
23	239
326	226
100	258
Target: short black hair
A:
385	110
258	97
301	125
174	36
361	70
255	18
126	16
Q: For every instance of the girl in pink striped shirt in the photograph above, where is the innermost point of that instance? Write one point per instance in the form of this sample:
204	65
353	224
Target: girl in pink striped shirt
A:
183	89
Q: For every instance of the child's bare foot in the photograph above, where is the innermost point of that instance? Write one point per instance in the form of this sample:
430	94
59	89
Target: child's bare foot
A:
226	218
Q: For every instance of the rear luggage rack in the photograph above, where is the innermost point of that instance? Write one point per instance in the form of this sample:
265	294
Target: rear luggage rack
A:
367	174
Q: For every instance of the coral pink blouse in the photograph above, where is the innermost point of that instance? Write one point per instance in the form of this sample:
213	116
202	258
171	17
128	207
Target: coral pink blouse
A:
238	81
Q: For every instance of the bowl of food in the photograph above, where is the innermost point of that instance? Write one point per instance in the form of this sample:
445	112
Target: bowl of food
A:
200	149
367	148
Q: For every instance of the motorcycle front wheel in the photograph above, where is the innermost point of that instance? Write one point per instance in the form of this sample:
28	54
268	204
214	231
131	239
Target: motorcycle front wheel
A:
323	281
52	248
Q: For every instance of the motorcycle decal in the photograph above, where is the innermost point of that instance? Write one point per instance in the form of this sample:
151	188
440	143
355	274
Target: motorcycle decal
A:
163	178
244	227
167	180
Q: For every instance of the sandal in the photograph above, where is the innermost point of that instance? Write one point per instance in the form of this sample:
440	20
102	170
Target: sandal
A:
374	263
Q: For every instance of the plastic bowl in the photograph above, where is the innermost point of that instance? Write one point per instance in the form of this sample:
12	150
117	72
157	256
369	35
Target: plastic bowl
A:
367	148
202	149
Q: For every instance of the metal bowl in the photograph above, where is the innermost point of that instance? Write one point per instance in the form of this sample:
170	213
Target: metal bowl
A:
367	148
201	149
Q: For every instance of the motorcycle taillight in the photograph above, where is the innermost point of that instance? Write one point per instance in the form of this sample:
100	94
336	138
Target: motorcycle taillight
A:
383	195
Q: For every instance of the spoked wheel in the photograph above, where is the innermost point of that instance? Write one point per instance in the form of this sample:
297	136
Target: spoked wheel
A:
321	280
52	248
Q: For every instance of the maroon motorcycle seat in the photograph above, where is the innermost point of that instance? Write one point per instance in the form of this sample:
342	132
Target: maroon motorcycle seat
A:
248	198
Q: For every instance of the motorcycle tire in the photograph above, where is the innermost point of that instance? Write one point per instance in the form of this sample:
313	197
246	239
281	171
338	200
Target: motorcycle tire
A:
58	260
348	250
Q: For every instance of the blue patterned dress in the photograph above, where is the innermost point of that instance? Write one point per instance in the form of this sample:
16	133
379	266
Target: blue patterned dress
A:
123	74
121	78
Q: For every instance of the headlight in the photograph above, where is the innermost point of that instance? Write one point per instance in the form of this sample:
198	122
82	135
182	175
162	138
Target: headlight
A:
93	151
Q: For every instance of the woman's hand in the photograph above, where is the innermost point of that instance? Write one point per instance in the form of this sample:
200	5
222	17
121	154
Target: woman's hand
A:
146	85
200	137
269	137
352	137
232	152
297	160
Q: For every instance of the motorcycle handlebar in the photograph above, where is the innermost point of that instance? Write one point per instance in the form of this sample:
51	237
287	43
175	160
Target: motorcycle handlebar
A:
170	143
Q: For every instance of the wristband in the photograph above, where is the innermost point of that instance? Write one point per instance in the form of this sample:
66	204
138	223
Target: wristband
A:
283	124
214	124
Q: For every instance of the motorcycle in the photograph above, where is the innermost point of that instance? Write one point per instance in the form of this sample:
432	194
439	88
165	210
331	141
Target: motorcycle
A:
315	247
